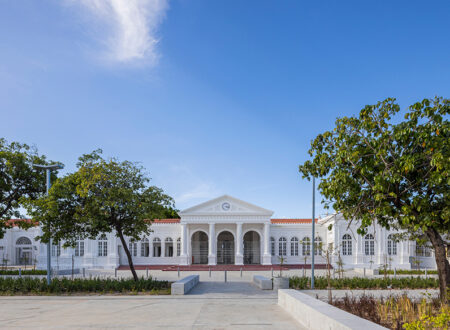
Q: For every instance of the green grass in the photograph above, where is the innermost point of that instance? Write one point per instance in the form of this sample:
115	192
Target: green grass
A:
24	272
301	283
58	286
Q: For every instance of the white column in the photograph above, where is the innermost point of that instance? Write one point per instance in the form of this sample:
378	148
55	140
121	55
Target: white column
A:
267	257
184	258
239	258
212	244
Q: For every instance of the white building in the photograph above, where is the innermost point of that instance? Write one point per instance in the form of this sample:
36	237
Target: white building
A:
225	230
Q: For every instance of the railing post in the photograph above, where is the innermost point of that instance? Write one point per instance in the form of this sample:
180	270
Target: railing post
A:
146	272
20	272
225	276
209	271
178	272
241	271
84	272
272	271
395	272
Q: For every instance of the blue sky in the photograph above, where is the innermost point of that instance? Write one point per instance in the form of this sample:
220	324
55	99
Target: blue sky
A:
212	97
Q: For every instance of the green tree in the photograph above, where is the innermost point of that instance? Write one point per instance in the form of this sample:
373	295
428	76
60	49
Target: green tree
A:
102	196
18	179
375	167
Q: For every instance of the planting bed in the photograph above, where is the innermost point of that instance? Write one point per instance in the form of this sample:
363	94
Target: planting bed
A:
321	282
398	312
35	286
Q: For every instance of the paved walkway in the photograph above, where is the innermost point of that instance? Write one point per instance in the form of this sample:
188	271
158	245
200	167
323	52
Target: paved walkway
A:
210	305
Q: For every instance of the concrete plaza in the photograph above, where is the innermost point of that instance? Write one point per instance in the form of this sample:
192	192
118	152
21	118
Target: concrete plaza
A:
210	305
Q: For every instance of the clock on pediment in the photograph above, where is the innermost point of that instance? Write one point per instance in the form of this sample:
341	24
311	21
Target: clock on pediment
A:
226	206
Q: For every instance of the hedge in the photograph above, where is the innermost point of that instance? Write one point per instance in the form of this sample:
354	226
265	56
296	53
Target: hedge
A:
408	272
321	282
17	286
24	272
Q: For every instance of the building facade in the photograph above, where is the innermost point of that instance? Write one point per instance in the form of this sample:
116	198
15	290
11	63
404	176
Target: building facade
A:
226	230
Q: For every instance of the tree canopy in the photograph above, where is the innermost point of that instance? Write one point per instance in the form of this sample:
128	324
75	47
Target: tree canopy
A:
374	167
102	196
18	179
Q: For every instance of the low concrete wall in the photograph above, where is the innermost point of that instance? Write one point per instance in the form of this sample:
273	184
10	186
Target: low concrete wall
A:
367	271
262	282
315	314
184	285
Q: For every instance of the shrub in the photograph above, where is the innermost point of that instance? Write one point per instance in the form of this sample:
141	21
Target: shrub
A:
408	272
12	286
24	272
301	283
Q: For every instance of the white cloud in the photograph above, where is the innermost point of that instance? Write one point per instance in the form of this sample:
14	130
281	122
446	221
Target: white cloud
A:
127	28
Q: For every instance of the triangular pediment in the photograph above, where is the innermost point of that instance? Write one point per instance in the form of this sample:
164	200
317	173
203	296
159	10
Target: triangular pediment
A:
226	205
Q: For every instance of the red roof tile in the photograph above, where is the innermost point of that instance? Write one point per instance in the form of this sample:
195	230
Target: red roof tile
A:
14	222
291	220
166	221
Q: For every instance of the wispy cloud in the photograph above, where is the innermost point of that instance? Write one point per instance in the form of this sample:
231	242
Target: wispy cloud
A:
126	28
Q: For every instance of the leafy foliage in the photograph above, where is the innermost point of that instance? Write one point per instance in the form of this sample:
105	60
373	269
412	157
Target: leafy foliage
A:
320	282
102	196
374	168
23	272
18	179
17	286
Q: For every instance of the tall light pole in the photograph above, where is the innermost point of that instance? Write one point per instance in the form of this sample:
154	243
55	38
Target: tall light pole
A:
48	169
313	230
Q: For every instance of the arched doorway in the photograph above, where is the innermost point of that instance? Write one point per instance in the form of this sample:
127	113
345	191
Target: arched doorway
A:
199	248
225	248
24	251
252	248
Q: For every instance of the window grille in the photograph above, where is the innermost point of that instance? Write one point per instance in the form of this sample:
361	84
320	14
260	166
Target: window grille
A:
347	245
294	246
369	245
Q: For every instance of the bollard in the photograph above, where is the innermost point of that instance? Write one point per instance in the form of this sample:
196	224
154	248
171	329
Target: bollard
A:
241	271
395	272
115	272
84	272
225	276
178	272
146	273
364	271
20	272
209	271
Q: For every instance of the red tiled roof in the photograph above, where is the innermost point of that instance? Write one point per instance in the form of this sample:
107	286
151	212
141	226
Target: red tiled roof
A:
291	220
14	222
166	221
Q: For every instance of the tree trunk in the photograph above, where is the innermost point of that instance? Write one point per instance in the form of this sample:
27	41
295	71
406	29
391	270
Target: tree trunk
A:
130	260
442	263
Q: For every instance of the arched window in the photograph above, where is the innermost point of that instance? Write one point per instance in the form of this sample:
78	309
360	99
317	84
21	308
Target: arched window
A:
156	247
391	245
56	249
145	247
79	247
272	246
103	246
369	245
318	246
168	247
306	246
347	245
132	246
423	250
294	246
23	241
178	246
282	246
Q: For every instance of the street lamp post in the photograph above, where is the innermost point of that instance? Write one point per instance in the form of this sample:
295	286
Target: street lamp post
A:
48	169
313	230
